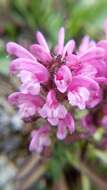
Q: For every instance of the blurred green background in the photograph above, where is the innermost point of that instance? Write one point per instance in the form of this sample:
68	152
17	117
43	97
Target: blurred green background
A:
19	20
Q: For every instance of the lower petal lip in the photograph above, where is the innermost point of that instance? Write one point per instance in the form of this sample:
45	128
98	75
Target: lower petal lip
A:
26	64
83	81
41	54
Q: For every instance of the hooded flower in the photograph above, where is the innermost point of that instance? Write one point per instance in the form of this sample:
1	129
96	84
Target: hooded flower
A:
40	139
30	72
28	104
57	115
52	109
63	78
84	92
54	82
64	126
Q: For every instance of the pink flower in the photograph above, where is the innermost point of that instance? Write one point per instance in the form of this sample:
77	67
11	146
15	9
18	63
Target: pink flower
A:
63	78
86	43
41	51
79	97
57	115
31	73
39	139
72	61
84	92
36	69
28	105
30	83
60	45
103	44
60	49
52	109
64	126
41	54
54	82
19	51
92	54
92	62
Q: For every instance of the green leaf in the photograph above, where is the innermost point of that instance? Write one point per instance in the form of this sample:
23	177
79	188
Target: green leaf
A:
4	64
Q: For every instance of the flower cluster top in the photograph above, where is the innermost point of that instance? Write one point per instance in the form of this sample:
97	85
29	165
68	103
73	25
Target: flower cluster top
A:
54	83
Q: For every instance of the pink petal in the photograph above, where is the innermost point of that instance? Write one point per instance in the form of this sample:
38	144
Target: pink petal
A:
70	123
72	61
103	44
91	85
79	97
53	121
18	98
31	87
86	44
60	44
63	78
19	51
84	93
101	80
51	98
84	81
69	47
39	139
44	111
76	100
94	68
62	131
41	54
92	53
41	40
87	70
34	141
95	98
20	64
25	76
60	112
27	110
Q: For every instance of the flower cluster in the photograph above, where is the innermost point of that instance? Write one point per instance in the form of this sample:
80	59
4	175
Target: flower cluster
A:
54	83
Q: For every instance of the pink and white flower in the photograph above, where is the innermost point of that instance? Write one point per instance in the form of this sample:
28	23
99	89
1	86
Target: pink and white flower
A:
52	109
63	78
57	115
64	126
31	73
84	92
40	139
28	104
53	83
